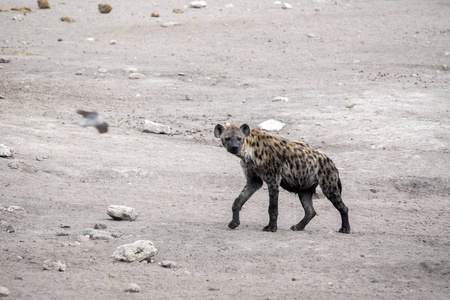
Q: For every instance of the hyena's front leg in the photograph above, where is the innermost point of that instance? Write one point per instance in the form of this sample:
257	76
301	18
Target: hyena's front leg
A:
254	183
273	206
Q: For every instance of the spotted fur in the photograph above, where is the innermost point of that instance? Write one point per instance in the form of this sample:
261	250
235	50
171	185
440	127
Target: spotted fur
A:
295	166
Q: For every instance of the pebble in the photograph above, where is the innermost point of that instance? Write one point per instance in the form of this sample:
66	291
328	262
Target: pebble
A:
286	5
198	4
271	125
138	251
281	99
104	8
54	265
120	212
43	4
152	127
79	73
170	24
168	264
113	42
133	288
90	39
83	238
5	151
136	76
311	35
95	234
4	292
67	19
4	60
100	226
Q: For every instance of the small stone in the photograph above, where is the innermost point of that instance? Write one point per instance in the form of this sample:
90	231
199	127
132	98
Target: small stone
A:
311	35
100	226
10	229
168	264
4	60
133	288
1	96
83	238
286	5
104	8
95	234
101	70
281	99
43	4
67	19
154	15
5	151
170	24
271	125
152	127
138	251
136	76
90	39
79	73
4	292
197	4
113	42
120	212
177	10
54	265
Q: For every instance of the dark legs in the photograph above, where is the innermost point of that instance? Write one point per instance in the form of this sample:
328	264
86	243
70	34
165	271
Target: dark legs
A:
273	207
306	200
333	193
253	184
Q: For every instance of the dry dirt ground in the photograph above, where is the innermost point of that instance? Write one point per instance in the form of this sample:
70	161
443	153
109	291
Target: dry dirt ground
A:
367	82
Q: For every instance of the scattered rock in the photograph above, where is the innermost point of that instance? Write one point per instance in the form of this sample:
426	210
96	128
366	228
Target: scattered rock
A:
23	9
90	39
113	42
130	70
198	4
170	24
22	165
138	251
168	264
43	4
311	35
83	238
67	19
281	99
136	76
4	292
54	265
100	226
10	229
95	234
271	125
152	127
133	288
154	15
286	6
4	60
18	18
104	8
350	106
120	212
79	73
178	10
64	226
11	208
5	151
1	96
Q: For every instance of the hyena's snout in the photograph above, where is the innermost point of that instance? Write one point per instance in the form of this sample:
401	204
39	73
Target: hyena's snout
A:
233	146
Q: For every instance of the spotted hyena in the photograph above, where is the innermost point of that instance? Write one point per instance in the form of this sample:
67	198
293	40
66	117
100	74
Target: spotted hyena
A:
295	166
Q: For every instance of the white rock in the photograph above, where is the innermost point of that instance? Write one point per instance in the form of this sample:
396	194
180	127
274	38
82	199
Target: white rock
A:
282	99
97	234
133	288
138	251
130	70
136	76
83	238
113	42
54	265
90	39
198	4
5	151
3	291
311	35
170	24
120	212
271	125
152	127
286	5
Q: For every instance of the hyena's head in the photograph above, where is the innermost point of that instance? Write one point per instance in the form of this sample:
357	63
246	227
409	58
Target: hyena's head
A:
232	136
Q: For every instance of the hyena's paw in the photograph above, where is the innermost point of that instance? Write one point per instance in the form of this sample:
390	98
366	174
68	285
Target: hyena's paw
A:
233	224
270	228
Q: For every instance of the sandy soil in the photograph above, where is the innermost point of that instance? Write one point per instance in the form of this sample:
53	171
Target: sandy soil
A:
367	82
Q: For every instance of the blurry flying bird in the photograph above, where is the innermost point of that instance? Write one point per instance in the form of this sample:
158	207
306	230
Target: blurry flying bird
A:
94	119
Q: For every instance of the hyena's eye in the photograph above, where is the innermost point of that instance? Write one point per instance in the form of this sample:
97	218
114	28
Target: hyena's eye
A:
239	139
227	139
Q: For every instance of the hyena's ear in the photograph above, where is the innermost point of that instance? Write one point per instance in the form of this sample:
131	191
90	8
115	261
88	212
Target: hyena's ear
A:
245	129
218	130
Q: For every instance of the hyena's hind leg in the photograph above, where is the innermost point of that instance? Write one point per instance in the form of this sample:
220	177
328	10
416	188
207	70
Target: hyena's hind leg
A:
306	200
331	187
